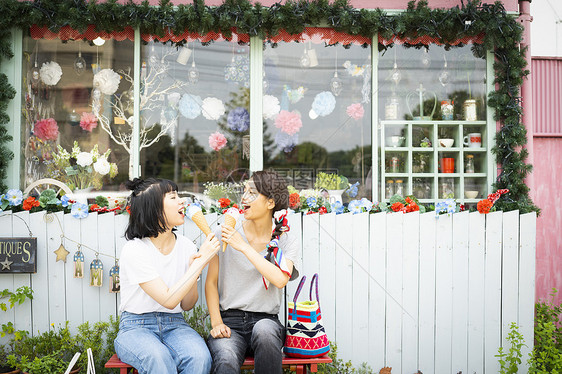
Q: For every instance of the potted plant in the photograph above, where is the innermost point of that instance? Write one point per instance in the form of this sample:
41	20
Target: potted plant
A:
335	184
5	368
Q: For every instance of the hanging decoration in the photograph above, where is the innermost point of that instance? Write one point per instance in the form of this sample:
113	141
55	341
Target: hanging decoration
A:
444	75
270	106
323	105
107	81
336	84
46	129
286	142
61	252
193	72
114	280
238	119
354	70
190	106
288	122
238	69
217	141
88	121
212	108
78	264
73	118
50	73
246	147
355	111
96	272
79	63
295	95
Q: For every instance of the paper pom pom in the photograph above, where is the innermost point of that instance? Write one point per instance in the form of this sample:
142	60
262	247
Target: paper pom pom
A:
238	119
88	121
190	106
107	81
212	108
288	122
286	142
217	141
295	95
173	98
270	106
50	73
355	111
46	129
324	103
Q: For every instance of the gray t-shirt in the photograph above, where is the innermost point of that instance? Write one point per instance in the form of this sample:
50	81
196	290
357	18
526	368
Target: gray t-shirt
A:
241	286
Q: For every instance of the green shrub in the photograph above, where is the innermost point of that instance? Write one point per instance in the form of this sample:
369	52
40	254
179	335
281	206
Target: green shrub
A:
509	362
547	353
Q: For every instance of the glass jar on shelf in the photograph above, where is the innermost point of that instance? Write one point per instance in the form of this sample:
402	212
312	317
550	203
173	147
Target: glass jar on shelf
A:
399	187
392	107
469	166
447	110
389	188
394	164
447	188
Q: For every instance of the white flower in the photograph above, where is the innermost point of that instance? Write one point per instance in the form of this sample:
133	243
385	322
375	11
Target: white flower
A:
84	159
50	73
107	81
102	166
212	108
310	193
270	106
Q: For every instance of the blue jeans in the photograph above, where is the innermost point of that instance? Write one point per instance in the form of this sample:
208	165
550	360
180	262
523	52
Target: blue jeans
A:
161	343
257	334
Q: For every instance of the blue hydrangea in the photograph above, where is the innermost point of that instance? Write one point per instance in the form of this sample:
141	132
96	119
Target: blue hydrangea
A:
324	103
190	106
355	206
312	202
64	201
337	207
14	197
238	119
79	210
353	190
286	142
446	206
367	204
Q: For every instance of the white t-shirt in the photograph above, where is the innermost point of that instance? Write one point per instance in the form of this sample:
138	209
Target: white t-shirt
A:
141	262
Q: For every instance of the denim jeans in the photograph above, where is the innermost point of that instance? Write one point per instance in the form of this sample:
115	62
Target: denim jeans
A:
161	343
257	334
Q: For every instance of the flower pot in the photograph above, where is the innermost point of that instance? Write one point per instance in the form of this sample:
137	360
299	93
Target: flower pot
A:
81	195
336	195
8	370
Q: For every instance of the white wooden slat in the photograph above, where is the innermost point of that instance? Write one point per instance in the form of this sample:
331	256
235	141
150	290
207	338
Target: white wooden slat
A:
91	295
459	358
40	280
410	296
344	278
193	233
327	272
22	320
492	291
476	286
310	247
526	281
426	339
74	292
214	221
106	229
360	256
377	287
443	293
295	222
510	272
56	270
6	280
394	301
121	221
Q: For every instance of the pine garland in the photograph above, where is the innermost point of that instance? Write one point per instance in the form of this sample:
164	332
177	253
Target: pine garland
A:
501	33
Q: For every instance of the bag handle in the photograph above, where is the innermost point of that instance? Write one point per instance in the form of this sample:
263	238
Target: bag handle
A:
314	278
299	288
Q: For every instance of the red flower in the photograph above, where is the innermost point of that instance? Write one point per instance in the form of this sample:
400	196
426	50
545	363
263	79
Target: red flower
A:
93	207
412	207
397	206
235	206
294	200
462	208
484	206
30	202
322	210
409	201
224	202
310	212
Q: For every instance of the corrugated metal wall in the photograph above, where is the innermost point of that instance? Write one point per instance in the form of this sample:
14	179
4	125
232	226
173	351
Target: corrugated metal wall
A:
547	96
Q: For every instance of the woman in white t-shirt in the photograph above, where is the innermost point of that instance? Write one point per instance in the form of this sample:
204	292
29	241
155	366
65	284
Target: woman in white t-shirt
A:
244	284
159	271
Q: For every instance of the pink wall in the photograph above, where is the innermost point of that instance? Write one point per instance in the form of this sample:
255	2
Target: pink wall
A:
547	194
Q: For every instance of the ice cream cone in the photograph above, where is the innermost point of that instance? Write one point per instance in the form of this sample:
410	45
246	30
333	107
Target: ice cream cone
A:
196	215
230	218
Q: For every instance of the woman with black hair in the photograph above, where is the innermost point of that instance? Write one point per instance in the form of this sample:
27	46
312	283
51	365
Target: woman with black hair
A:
244	284
159	271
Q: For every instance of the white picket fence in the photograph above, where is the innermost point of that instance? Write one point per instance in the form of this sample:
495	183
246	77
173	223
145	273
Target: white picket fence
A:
410	291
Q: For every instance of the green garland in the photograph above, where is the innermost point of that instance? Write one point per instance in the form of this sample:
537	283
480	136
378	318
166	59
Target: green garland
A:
501	33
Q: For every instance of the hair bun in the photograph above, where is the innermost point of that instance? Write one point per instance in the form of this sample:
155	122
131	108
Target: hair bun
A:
134	184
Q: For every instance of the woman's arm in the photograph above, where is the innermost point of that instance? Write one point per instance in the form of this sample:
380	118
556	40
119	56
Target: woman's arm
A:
170	297
219	330
270	272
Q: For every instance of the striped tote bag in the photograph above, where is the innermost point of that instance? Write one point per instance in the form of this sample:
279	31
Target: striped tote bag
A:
306	337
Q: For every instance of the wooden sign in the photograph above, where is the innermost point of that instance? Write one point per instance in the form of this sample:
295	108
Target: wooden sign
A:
18	255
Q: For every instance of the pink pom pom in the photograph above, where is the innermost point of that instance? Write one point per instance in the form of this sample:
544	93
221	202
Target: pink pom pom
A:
46	129
288	122
88	121
217	141
355	111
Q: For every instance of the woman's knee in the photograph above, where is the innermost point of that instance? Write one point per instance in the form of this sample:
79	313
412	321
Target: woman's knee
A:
267	331
155	358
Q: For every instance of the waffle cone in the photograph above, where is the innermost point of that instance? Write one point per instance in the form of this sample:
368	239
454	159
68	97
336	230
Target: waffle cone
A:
201	222
230	222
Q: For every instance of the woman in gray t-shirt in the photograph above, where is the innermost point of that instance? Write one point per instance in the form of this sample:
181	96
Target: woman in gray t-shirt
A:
244	284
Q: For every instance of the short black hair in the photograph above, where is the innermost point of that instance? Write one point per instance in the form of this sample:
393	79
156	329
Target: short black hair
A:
146	205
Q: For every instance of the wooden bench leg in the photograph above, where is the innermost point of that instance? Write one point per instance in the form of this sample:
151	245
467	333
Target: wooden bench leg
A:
313	368
301	369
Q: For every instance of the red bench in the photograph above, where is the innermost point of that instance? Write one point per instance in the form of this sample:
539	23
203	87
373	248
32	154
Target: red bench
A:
300	365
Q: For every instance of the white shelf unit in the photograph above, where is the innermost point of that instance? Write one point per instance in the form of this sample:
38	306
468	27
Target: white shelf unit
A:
410	152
